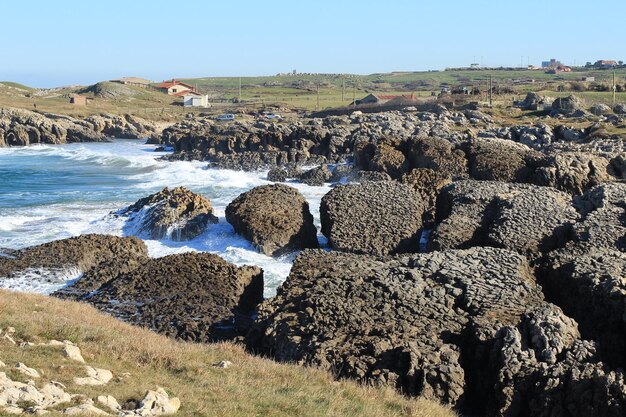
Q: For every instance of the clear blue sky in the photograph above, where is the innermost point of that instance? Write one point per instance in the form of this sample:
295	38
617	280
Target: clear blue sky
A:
50	43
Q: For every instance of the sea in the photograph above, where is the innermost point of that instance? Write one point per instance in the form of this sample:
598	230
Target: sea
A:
50	192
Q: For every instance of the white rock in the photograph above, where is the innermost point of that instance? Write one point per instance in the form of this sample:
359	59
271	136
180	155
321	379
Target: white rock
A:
155	403
95	377
109	402
13	410
73	352
85	408
14	392
2	364
223	364
30	372
10	339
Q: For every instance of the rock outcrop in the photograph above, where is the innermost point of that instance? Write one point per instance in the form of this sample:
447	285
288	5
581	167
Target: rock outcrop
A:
528	219
22	127
178	214
275	218
374	217
62	258
470	328
192	296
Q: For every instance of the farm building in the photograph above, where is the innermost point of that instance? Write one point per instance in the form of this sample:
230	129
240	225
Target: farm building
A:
78	100
136	81
605	64
174	87
381	99
193	99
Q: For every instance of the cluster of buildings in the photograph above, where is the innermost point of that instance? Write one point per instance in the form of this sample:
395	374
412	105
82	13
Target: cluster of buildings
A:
191	98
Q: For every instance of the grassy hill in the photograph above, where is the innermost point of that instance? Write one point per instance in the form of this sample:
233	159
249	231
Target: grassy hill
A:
252	386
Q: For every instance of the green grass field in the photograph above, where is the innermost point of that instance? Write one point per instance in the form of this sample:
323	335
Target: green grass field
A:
300	91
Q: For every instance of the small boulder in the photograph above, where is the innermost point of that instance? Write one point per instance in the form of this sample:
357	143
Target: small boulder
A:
275	218
316	176
599	109
178	214
73	352
94	377
277	174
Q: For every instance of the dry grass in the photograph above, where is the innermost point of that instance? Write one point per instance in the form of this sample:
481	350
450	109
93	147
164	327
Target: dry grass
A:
251	387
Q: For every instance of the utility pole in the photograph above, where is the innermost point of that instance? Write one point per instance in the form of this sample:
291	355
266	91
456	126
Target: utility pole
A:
354	94
317	107
614	88
240	89
490	90
343	90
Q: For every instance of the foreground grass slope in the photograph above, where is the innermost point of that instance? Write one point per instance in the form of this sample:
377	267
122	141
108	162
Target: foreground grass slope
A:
252	386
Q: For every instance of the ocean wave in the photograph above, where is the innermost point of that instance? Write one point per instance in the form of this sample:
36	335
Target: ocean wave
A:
41	280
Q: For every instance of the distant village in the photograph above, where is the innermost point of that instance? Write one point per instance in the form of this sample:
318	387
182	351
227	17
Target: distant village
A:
191	97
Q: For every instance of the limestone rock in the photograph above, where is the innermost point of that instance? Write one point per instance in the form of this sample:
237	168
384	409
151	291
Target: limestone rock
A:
498	160
275	218
377	218
94	377
277	174
574	173
86	408
191	296
316	176
71	256
427	183
390	160
439	155
401	321
29	372
178	214
73	352
109	402
157	403
528	219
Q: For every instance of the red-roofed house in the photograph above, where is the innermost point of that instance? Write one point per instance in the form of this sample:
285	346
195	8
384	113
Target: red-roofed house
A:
174	87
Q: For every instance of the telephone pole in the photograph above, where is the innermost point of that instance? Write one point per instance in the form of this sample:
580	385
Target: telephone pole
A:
317	106
614	88
354	94
240	89
343	90
490	90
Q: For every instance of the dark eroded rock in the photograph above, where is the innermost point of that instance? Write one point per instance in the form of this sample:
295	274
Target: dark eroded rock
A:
179	214
275	218
374	217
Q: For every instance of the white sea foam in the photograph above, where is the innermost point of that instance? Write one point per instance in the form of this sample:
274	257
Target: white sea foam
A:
142	174
39	280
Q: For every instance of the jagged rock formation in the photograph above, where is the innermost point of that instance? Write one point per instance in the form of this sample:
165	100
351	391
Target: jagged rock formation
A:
588	276
528	219
192	296
470	328
374	217
275	218
77	254
22	127
178	214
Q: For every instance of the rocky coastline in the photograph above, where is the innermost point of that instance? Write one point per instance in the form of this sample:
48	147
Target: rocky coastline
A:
513	307
20	127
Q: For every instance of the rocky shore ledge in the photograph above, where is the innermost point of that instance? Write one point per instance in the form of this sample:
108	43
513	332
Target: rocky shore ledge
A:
22	127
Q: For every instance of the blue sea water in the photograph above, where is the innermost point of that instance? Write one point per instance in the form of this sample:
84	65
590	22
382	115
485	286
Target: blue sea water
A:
50	192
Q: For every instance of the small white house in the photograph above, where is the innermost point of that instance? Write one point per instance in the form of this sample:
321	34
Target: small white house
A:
196	100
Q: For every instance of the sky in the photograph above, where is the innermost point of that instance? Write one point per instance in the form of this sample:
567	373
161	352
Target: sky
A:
65	42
